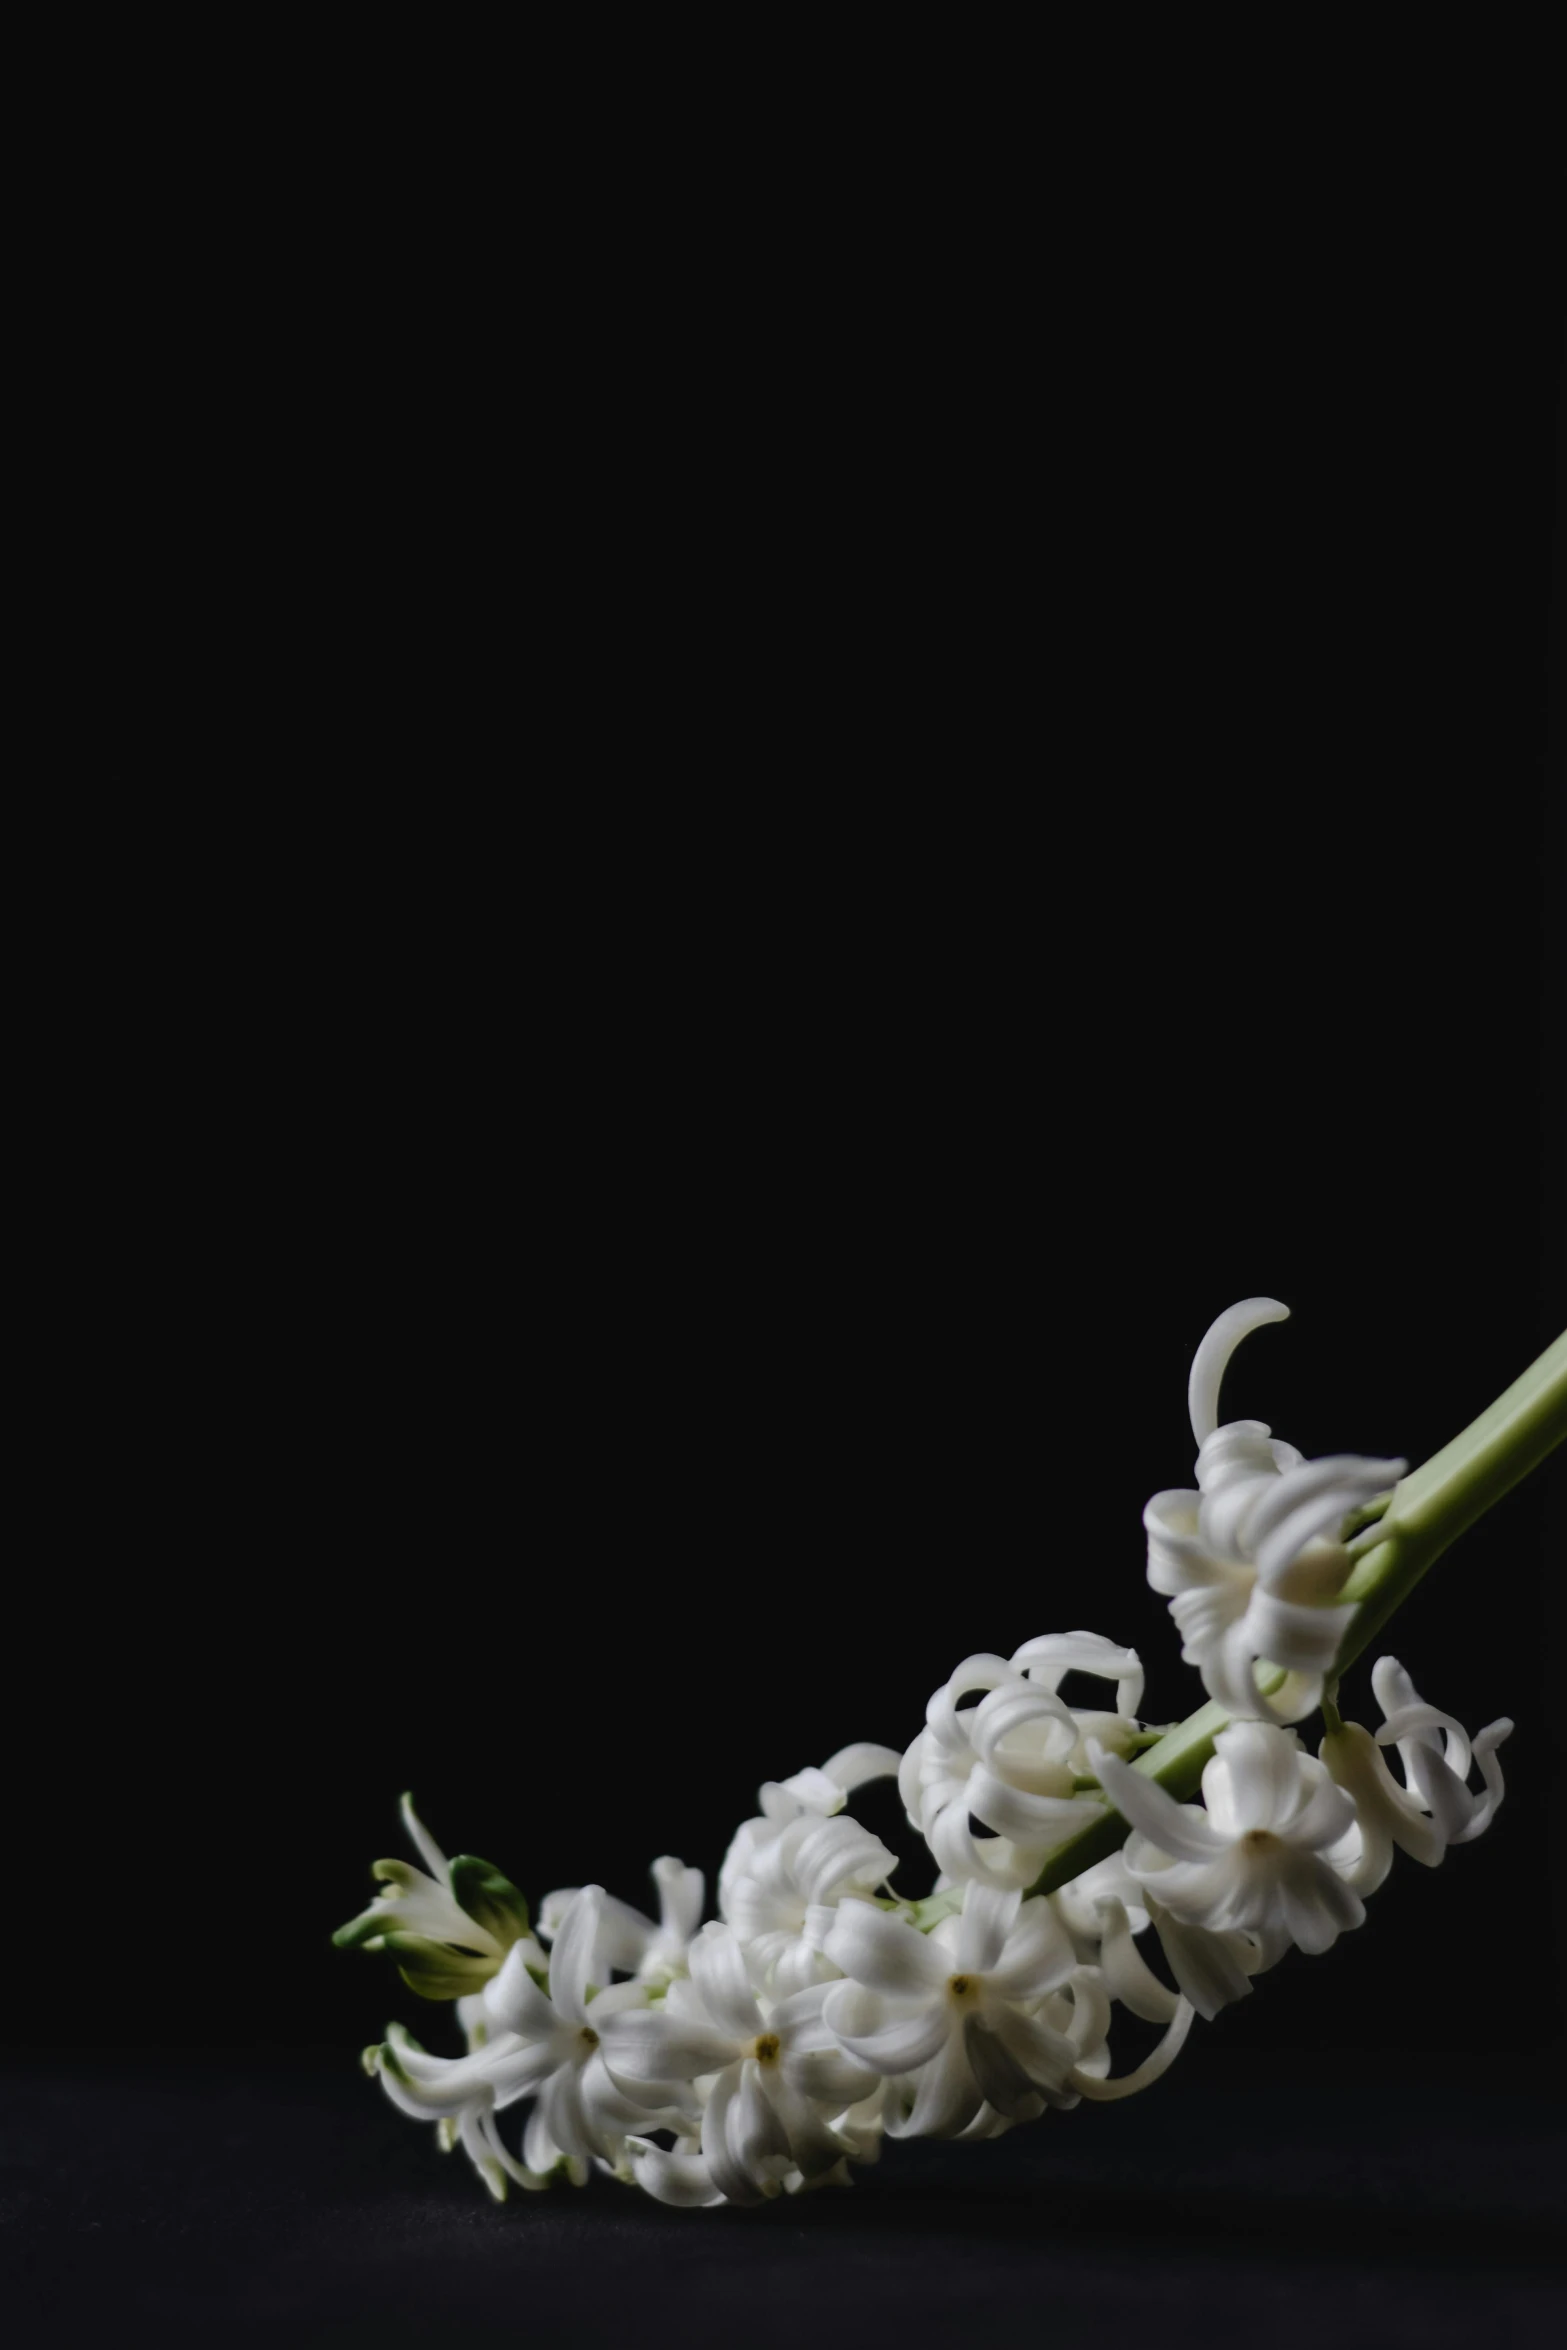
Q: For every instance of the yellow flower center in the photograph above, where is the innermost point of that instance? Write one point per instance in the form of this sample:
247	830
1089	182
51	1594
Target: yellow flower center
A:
1259	1840
588	2036
765	2048
963	1987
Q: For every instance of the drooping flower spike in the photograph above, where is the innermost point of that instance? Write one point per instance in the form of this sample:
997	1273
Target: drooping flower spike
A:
827	2009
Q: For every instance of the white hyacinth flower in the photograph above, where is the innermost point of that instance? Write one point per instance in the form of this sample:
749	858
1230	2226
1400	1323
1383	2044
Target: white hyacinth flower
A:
1435	1807
1259	1860
782	1902
968	2013
450	1929
536	2045
631	1943
811	1793
1250	1562
771	2080
1011	1761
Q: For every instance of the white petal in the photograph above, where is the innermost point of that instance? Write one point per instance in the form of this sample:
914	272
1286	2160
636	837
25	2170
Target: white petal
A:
1383	1812
883	1953
623	1935
657	2045
757	2138
560	2103
1327	1814
1211	1969
831	1854
425	1845
1000	2077
1254	1779
1049	1659
960	1856
798	2020
947	2096
1171	1520
513	2002
1158	2061
988	1918
813	1790
718	1971
853	1766
1176	1828
1319	1494
1304	1639
486	2151
609	2111
1317	1905
910	1771
1022	1706
1485	1745
1128	1976
539	2150
827	2077
814	2147
726	2173
1037	1956
619	1999
680	1892
552	1909
1091	2011
1027	1819
980	1673
434	2085
680	2179
1212	1357
1220	1892
882	2037
571	1960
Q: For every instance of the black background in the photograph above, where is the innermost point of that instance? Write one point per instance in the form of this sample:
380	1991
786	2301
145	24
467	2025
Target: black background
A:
786	931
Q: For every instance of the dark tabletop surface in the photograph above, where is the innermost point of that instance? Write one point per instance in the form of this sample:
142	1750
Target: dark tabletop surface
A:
1331	2202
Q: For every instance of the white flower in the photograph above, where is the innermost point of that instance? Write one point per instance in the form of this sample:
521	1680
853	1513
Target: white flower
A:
968	2013
770	2081
815	1793
1010	1762
631	1943
538	2046
1435	1807
1259	1860
781	1903
450	1930
1250	1562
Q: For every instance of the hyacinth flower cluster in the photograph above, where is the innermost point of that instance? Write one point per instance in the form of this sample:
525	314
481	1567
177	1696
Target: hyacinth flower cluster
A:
825	2009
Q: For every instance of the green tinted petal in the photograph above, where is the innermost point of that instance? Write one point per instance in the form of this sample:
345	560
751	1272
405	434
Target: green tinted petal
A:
490	1899
439	1970
369	1923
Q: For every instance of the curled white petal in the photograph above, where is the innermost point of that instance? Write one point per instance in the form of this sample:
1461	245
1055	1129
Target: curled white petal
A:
1212	1358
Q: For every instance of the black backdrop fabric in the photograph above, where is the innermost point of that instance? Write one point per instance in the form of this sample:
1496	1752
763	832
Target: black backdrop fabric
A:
654	1186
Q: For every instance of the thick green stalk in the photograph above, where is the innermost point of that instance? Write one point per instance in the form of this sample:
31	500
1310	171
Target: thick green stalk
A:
1428	1509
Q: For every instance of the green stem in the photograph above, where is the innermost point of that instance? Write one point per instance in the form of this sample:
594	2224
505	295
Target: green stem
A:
1442	1499
1426	1512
